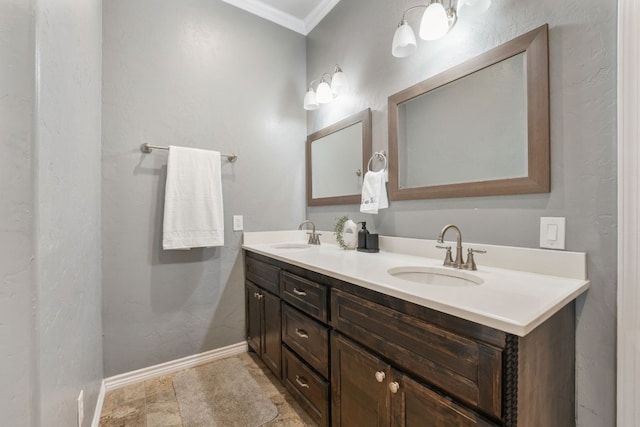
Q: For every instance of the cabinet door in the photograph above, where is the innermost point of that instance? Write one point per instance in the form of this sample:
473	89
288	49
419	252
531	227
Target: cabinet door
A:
415	405
359	380
254	317
271	349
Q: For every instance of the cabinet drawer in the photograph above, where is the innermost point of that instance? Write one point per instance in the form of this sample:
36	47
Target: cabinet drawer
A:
307	337
466	369
264	275
308	296
309	389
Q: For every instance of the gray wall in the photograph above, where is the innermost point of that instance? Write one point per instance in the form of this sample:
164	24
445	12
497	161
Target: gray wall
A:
357	34
204	74
50	243
68	260
16	212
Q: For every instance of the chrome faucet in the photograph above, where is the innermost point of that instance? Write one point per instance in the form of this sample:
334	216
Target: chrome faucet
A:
458	262
314	238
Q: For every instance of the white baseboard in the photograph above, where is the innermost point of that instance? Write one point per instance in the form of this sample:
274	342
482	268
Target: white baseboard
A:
144	374
98	411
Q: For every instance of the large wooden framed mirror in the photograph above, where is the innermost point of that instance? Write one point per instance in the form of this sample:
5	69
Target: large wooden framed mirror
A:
337	158
480	128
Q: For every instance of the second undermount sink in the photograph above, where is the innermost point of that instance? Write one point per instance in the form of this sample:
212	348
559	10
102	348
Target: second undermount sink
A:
438	276
291	245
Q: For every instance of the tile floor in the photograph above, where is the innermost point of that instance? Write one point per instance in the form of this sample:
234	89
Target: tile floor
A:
153	403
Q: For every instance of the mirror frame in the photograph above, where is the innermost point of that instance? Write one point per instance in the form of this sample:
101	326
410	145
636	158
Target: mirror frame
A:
363	117
534	45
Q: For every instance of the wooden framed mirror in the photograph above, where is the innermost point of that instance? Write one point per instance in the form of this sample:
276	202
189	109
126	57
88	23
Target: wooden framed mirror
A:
480	128
336	160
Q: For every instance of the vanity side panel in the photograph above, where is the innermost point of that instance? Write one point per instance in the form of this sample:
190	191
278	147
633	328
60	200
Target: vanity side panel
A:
546	373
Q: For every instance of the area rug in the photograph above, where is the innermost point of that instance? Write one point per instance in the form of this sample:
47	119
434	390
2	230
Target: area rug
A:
222	394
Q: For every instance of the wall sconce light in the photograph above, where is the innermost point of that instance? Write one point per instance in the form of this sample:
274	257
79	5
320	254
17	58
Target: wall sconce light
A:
329	87
436	23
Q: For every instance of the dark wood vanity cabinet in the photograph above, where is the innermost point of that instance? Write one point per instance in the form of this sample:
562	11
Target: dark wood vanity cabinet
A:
263	315
356	357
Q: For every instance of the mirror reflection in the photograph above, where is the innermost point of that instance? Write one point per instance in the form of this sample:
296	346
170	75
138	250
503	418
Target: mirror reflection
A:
480	128
336	159
336	163
450	136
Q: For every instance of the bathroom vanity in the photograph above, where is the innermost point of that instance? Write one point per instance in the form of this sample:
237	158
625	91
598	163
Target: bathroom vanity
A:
358	346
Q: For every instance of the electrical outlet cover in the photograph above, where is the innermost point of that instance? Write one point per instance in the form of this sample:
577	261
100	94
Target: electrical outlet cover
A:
237	223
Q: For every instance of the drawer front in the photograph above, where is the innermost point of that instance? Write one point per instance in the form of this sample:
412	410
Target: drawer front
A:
464	368
307	337
264	275
309	389
307	296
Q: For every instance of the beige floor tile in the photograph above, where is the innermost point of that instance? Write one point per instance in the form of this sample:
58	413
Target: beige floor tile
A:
159	385
163	414
153	402
133	392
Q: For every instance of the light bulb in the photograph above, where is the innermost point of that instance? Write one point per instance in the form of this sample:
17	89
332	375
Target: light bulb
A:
404	41
435	22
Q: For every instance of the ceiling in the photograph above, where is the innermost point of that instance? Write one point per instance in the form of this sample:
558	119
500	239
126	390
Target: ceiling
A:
297	15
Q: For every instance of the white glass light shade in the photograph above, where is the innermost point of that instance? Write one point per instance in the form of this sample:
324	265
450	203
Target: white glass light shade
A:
404	41
323	93
339	83
310	102
474	7
435	23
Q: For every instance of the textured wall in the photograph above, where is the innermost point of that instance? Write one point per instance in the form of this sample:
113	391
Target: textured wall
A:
357	34
16	212
68	252
204	74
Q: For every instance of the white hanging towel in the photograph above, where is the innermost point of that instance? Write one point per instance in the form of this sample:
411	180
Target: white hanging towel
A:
193	215
374	192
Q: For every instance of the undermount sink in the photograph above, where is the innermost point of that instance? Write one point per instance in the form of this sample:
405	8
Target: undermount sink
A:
291	245
437	276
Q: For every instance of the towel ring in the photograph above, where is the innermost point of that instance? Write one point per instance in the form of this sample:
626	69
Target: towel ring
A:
379	155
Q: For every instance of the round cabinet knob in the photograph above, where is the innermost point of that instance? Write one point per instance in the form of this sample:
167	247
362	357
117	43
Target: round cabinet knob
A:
394	387
380	376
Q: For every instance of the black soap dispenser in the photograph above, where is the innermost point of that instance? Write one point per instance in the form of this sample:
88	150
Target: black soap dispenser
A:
362	236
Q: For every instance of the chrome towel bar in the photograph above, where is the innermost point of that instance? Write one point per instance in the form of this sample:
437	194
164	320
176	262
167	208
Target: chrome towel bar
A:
148	148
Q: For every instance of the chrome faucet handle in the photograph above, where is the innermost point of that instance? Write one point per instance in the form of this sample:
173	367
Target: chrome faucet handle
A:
448	258
314	238
471	263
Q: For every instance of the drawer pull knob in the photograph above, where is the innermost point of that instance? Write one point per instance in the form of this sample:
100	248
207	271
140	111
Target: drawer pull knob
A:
302	333
380	376
299	292
257	295
302	382
394	387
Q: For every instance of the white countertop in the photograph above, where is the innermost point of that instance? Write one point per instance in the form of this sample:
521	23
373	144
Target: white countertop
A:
509	300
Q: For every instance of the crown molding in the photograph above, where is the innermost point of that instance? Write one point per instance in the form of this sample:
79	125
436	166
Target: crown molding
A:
318	13
302	26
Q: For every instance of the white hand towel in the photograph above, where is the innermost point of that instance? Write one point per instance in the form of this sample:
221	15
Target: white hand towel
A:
374	192
193	214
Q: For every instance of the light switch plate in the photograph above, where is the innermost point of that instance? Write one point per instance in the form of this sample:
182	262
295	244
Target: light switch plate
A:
552	232
237	223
